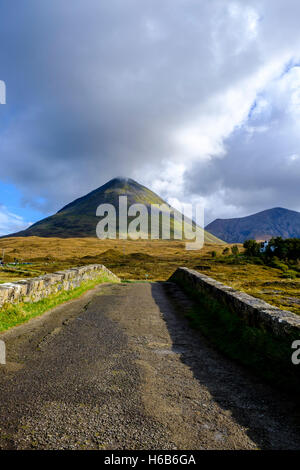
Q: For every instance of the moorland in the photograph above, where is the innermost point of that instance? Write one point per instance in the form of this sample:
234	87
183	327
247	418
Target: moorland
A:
150	260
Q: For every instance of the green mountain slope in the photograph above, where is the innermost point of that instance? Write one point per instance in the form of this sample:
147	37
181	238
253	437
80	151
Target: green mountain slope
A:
277	222
78	219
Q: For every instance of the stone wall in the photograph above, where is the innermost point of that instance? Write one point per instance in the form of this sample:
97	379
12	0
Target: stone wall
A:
254	312
35	289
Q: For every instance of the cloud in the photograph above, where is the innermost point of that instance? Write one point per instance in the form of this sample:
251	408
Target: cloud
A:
260	167
10	223
165	92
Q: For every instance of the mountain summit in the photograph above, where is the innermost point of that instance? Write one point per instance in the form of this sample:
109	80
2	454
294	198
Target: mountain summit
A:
78	219
276	222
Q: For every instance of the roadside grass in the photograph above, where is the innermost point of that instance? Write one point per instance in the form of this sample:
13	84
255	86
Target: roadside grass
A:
267	356
16	314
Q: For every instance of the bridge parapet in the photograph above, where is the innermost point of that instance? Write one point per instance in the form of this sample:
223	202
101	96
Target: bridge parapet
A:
254	312
35	289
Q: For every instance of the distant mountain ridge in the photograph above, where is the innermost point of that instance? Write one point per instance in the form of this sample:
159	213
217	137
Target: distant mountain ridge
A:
276	222
78	219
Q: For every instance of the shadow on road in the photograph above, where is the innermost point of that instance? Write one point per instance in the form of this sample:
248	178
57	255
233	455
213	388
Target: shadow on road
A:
270	418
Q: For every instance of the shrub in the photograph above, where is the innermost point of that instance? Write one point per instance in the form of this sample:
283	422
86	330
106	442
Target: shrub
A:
288	249
252	248
276	263
235	250
290	274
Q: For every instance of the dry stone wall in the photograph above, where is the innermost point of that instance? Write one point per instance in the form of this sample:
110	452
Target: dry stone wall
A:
255	312
35	289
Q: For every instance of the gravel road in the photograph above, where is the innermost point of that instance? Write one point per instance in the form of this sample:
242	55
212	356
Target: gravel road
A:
120	368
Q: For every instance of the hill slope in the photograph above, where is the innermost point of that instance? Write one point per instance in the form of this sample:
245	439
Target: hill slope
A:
78	219
277	222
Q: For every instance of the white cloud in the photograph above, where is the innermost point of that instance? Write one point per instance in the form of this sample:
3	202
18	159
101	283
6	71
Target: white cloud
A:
10	223
261	166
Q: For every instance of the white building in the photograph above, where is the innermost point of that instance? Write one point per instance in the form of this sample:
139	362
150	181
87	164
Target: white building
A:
264	246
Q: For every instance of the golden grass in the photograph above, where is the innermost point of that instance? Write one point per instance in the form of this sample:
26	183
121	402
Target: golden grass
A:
152	260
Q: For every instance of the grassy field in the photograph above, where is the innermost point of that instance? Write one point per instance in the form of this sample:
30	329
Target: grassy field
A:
148	260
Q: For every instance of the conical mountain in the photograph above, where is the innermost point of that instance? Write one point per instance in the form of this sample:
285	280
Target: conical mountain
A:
78	219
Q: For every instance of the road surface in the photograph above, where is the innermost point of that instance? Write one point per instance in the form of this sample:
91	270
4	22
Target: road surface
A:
120	368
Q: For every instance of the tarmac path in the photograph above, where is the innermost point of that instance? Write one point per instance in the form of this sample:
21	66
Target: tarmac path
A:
120	368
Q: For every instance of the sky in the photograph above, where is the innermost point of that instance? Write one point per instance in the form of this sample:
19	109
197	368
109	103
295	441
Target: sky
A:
197	99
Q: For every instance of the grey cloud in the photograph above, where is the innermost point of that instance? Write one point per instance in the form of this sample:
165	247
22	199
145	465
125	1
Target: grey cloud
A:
96	89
